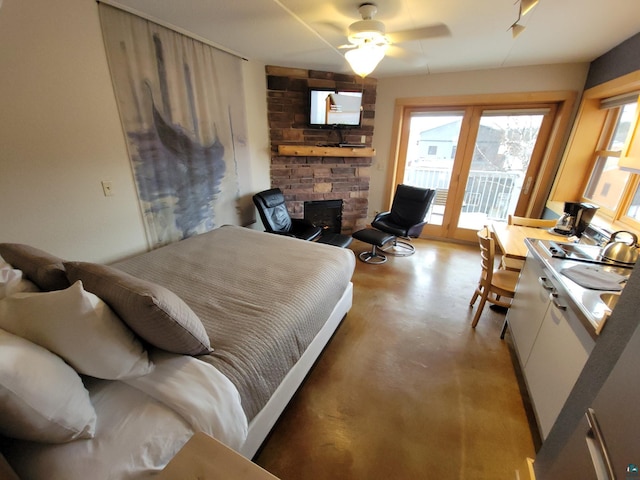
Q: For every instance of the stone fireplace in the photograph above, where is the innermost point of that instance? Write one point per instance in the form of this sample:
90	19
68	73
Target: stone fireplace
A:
316	174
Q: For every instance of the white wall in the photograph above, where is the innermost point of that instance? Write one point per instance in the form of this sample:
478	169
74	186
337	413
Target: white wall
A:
60	135
255	87
505	80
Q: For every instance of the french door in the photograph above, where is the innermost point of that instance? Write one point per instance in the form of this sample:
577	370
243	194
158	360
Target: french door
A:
482	160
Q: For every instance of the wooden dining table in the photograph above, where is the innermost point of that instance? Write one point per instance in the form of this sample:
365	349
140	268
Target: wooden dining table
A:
510	238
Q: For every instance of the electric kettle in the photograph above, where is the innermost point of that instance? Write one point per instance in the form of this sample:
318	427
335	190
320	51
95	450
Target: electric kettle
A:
619	251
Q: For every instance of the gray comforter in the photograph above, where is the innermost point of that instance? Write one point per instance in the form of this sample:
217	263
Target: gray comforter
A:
261	297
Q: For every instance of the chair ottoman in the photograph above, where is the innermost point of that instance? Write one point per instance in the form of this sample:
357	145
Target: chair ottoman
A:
377	239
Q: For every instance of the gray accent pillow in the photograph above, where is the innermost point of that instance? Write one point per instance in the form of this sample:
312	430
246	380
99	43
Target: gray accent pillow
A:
42	268
155	313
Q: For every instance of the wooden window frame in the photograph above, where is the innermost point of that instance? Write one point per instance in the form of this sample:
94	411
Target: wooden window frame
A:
591	133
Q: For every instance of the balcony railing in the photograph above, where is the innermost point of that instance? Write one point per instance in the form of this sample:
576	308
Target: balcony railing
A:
493	194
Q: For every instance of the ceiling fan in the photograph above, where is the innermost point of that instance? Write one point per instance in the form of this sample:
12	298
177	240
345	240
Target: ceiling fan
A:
368	40
373	31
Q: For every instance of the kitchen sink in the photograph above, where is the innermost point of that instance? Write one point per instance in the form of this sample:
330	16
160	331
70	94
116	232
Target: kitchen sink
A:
610	299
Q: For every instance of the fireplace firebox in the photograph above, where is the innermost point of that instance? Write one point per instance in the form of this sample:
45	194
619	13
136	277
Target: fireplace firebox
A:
324	213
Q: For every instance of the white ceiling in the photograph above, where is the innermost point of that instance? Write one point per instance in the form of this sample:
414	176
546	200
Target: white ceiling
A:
306	33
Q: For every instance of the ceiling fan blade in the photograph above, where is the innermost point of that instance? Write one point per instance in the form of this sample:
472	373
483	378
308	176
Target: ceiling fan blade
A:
397	52
431	31
347	45
406	56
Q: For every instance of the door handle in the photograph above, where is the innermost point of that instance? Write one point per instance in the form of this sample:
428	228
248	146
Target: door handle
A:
554	297
598	449
543	281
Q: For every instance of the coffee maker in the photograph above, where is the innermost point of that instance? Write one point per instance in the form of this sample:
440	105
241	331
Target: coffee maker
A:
576	217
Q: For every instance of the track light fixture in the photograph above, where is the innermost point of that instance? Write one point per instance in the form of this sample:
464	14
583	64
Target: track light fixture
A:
524	8
517	29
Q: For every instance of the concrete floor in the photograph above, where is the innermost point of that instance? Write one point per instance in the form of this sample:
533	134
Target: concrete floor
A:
406	389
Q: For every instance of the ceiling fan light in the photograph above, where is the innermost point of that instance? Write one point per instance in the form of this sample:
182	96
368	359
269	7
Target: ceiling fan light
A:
364	59
527	5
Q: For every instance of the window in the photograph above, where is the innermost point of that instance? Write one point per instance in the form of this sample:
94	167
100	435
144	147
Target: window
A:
608	185
634	209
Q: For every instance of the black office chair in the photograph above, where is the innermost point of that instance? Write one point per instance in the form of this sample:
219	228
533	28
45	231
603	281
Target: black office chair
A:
406	219
276	218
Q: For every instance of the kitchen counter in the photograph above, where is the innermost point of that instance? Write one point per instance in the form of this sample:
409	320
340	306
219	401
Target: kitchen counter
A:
586	303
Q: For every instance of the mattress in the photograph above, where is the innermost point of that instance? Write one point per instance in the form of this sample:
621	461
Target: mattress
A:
261	297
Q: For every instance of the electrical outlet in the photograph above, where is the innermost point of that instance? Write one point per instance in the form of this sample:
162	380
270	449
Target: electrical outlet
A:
363	138
107	188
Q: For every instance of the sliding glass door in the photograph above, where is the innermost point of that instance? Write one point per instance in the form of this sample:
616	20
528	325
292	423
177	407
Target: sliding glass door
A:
499	174
482	162
431	152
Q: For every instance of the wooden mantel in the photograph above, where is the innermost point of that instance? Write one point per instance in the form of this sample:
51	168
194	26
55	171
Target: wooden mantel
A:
305	151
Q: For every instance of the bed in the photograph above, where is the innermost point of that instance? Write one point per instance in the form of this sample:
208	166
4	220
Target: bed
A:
255	311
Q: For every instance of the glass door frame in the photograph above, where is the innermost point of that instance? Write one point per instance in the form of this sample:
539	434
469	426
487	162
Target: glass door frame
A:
433	230
546	155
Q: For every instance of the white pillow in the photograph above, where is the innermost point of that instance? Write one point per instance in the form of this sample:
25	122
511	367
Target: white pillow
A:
41	398
80	328
13	281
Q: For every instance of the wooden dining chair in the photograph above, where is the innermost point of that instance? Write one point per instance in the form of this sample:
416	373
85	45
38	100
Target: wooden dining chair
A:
494	283
531	222
516	264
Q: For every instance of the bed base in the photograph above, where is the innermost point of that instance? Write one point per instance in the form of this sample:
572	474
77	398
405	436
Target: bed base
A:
263	422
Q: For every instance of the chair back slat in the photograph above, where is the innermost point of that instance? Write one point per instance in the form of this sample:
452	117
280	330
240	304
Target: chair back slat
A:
487	254
531	222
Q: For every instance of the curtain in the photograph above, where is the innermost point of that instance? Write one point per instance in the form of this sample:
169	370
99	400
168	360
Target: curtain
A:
182	108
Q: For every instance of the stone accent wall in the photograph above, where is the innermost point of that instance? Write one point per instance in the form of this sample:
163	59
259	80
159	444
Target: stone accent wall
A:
318	178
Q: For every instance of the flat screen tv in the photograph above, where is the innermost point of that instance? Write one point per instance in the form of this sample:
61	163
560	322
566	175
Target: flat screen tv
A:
334	108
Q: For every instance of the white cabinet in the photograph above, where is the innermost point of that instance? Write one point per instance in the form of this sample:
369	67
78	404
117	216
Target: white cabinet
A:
561	349
614	408
551	343
528	308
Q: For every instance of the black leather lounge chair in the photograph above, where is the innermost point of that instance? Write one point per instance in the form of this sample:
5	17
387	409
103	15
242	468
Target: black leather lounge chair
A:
276	218
406	219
